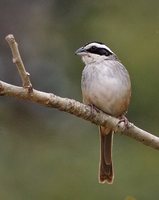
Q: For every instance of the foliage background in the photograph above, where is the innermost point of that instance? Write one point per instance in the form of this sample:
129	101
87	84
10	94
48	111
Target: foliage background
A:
47	154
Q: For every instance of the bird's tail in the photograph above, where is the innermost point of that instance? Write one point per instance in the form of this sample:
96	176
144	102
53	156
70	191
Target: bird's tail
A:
106	173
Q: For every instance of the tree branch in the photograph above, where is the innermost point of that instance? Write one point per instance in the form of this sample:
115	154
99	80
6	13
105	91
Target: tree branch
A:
19	63
69	105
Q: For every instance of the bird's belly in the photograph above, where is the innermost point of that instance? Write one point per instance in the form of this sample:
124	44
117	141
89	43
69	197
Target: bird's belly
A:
109	96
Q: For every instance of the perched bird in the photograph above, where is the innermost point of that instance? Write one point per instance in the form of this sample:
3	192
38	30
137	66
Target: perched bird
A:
106	86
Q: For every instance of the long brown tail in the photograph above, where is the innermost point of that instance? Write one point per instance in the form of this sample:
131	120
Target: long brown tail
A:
106	166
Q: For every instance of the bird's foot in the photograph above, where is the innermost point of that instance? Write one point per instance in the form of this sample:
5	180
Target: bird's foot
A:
93	107
123	119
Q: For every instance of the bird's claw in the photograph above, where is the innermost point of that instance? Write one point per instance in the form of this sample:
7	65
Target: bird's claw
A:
123	119
93	107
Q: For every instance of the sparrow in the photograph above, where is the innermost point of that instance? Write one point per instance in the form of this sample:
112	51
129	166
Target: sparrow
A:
106	86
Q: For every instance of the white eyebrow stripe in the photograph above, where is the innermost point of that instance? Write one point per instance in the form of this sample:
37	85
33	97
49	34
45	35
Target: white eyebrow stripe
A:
98	45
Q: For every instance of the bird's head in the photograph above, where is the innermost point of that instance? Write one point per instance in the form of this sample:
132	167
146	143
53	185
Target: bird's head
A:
95	52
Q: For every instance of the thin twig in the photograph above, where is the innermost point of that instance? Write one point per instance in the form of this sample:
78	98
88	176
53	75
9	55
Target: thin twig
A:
19	63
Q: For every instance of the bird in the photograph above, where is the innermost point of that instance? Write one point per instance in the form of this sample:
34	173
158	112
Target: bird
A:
105	86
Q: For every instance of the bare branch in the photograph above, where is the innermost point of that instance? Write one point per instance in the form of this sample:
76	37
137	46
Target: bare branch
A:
69	105
19	63
80	110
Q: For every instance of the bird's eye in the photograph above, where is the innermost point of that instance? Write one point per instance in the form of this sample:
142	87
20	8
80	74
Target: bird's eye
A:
93	48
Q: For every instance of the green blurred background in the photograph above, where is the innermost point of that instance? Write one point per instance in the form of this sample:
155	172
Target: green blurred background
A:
48	154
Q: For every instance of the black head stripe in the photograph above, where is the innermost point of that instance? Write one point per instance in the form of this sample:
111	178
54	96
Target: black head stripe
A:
99	51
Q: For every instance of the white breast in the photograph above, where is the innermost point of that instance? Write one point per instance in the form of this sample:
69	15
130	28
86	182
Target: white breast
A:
107	86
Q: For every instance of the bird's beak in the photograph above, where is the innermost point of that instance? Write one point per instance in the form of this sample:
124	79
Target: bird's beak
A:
80	51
